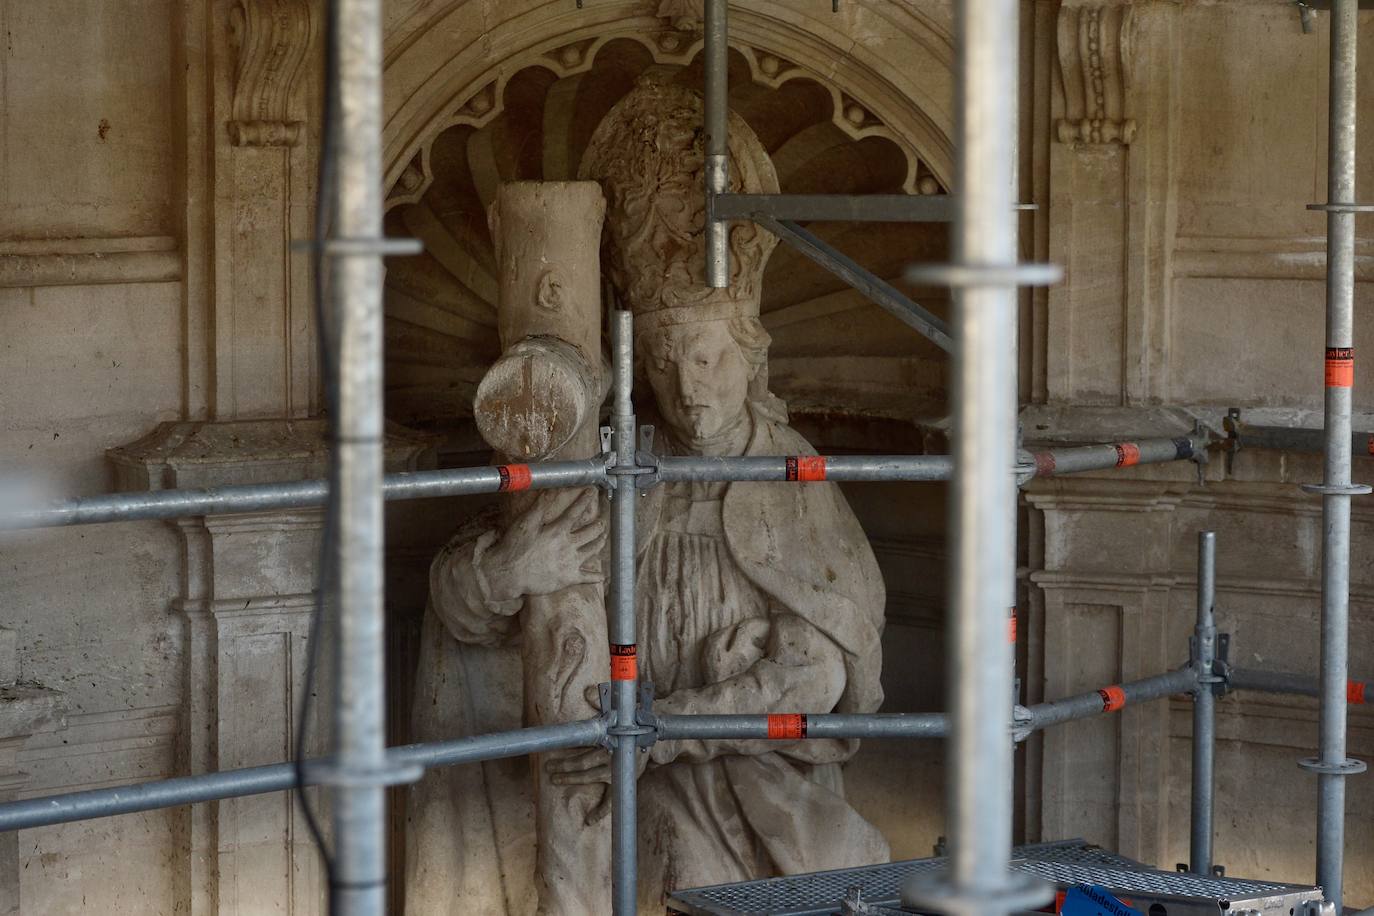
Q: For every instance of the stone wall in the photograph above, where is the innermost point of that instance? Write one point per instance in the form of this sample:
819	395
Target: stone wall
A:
156	168
1194	283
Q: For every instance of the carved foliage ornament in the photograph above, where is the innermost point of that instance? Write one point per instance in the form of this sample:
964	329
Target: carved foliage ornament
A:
271	39
1094	56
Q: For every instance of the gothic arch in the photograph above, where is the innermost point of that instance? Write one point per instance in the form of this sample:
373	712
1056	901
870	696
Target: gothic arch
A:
472	101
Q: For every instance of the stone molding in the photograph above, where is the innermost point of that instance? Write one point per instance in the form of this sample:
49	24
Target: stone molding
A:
1293	258
271	39
438	88
486	102
1094	60
89	261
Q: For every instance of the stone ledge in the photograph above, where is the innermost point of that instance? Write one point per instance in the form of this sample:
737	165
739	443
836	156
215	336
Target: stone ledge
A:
208	454
89	261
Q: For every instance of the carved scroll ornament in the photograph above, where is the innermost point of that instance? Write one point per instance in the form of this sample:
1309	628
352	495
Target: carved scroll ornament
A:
1094	56
271	38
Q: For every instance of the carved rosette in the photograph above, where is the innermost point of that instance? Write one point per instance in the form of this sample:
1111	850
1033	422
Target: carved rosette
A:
271	39
1094	50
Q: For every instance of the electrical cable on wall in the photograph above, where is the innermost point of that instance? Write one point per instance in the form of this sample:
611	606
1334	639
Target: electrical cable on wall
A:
325	341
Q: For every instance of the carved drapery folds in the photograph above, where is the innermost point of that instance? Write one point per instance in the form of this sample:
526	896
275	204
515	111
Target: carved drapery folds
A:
271	38
1094	57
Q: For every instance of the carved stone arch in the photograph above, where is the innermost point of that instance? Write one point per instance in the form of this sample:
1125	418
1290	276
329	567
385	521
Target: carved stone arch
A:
460	124
900	87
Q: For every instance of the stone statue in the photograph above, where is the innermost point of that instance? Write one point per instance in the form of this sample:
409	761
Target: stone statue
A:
752	597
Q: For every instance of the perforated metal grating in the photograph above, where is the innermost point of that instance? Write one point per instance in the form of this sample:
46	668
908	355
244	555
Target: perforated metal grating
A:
1162	883
1065	863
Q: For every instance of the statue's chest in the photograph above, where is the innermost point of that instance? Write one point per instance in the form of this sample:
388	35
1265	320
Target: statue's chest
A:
689	587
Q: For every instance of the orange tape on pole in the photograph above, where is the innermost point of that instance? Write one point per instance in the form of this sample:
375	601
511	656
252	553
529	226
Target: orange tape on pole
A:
786	726
1354	693
624	666
514	476
1011	628
1340	367
1127	454
805	468
1113	698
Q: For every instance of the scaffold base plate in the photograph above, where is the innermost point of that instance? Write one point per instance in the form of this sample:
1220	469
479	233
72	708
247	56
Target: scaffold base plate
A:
1065	864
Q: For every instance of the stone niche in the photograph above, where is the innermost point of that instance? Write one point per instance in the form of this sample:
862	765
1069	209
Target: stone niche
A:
855	378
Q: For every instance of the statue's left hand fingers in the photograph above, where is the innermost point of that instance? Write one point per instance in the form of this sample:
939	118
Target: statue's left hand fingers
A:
589	777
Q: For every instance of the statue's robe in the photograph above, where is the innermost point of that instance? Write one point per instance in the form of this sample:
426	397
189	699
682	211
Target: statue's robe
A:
752	597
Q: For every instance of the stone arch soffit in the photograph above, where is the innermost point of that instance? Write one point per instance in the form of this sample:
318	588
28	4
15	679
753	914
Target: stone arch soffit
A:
468	87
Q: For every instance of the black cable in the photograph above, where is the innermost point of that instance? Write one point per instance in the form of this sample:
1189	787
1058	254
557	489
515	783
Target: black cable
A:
325	336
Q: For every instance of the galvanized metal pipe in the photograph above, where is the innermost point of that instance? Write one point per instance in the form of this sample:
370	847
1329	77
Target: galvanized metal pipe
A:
1075	459
359	798
983	503
717	118
1331	764
300	494
280	777
1204	708
622	625
303	494
1112	698
805	468
793	726
847	208
1356	690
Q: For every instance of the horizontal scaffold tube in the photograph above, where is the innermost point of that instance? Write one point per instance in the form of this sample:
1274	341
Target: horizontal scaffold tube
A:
806	468
793	726
1356	692
1110	699
300	494
1056	461
278	777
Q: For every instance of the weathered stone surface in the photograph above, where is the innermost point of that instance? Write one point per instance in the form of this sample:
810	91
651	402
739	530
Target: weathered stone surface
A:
146	276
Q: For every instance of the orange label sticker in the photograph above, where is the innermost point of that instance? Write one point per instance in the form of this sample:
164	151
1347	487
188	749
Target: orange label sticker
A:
514	476
805	468
1340	367
623	664
1127	454
786	726
1354	692
1113	698
1011	628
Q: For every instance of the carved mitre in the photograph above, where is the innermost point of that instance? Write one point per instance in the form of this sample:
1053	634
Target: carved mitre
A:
649	155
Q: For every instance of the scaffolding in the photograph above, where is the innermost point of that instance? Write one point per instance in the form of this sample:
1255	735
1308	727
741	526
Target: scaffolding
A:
985	469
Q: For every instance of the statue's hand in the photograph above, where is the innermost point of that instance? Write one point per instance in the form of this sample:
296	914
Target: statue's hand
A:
588	768
539	556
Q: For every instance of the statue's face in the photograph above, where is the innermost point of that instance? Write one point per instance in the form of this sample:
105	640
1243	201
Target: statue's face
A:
700	377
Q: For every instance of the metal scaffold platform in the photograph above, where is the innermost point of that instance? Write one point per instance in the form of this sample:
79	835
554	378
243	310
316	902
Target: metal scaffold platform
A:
1065	864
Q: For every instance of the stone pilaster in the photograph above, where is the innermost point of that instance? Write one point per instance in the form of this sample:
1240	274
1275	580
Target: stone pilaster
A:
248	593
26	709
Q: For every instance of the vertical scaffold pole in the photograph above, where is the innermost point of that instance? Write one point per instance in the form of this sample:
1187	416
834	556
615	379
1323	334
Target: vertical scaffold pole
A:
624	671
1331	764
1204	707
717	111
983	505
359	734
